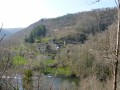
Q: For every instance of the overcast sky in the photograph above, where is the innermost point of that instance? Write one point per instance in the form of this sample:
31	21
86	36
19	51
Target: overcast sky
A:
21	13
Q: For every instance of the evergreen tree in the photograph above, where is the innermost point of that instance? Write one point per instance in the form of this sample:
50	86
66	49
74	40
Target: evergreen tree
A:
37	32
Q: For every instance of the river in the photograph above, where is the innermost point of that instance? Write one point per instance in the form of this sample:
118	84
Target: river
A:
60	83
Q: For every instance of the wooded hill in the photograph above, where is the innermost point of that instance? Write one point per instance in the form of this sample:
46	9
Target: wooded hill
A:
84	22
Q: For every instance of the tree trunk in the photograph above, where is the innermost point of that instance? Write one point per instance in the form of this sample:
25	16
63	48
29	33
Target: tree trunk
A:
117	50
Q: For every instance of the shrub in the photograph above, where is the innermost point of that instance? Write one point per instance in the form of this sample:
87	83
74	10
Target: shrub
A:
103	70
27	79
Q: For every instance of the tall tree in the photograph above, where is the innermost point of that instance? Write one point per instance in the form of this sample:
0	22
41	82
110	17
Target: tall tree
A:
117	50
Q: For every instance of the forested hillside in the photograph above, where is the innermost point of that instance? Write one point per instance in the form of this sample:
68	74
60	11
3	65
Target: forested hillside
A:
97	19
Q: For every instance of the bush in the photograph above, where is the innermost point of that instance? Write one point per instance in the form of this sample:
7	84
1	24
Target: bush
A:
27	79
103	70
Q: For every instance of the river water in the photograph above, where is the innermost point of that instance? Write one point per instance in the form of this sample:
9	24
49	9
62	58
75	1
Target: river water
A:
60	83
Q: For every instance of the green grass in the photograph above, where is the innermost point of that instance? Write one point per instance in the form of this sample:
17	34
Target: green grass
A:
60	71
19	60
50	62
64	71
37	41
50	70
45	39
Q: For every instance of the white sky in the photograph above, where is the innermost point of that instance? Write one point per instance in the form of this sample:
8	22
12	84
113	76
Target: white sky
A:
21	13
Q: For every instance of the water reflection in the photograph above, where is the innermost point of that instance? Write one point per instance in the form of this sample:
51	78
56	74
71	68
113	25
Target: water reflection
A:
63	83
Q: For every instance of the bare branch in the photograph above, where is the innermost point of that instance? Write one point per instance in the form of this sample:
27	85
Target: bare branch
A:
116	3
0	31
2	37
1	27
89	2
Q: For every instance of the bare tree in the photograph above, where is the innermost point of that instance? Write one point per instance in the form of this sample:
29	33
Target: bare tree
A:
117	44
117	50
